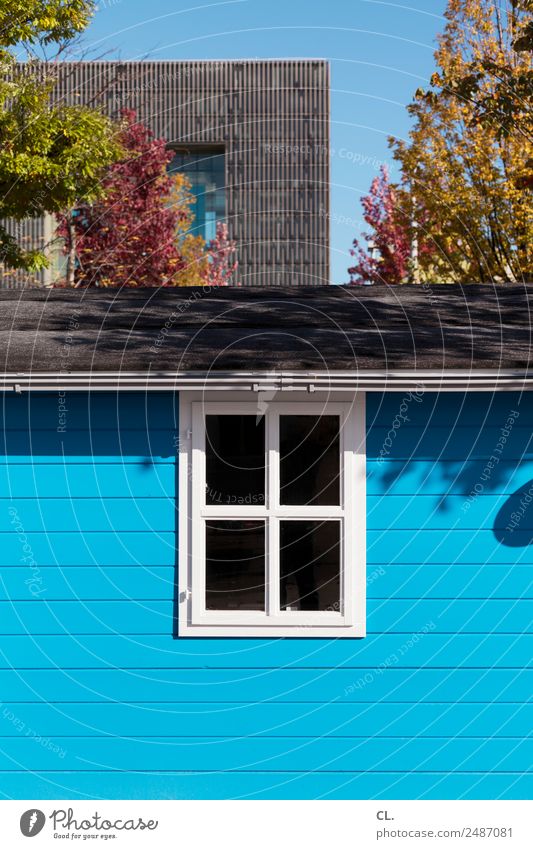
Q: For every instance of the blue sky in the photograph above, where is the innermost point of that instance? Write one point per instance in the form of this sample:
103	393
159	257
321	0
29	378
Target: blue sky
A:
380	53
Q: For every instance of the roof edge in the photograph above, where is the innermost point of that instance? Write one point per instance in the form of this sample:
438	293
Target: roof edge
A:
424	380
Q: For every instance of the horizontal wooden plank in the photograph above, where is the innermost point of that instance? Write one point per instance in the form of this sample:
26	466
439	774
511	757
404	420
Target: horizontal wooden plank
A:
289	785
272	719
69	583
97	410
448	409
438	512
286	685
12	461
88	549
375	652
53	583
69	444
402	616
274	754
449	581
510	440
455	546
93	617
88	480
53	515
443	478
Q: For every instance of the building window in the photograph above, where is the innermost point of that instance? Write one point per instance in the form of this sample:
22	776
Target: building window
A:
272	518
205	168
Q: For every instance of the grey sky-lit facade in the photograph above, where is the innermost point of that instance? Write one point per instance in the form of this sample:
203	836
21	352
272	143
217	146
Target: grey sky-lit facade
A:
263	126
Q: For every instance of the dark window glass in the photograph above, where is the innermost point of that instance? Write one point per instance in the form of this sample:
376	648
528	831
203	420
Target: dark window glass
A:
310	565
235	565
310	460
235	460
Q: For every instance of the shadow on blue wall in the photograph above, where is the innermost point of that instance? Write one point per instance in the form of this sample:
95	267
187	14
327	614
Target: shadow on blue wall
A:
512	525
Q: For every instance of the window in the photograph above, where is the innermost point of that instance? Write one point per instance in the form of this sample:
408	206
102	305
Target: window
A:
205	168
272	517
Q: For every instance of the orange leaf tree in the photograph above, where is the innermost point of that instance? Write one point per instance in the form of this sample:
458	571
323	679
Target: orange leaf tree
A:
467	168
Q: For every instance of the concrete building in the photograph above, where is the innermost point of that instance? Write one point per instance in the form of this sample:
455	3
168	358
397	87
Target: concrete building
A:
253	136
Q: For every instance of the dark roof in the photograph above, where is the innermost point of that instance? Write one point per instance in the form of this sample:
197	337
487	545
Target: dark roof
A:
228	329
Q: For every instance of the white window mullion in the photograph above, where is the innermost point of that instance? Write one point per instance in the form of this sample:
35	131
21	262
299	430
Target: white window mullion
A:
355	521
272	569
198	480
273	594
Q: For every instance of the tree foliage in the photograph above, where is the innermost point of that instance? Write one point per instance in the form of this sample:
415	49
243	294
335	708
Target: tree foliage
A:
496	75
195	260
128	236
51	155
469	171
395	237
139	233
222	258
31	22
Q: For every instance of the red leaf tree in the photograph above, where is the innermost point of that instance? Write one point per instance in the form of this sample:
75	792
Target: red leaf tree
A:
387	210
129	237
222	258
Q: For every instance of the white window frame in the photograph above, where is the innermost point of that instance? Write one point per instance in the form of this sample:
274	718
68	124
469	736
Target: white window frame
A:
194	619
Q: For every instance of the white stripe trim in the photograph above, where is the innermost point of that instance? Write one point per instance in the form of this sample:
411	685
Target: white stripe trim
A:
306	381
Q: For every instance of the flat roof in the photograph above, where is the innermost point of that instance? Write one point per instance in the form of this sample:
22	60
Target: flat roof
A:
269	329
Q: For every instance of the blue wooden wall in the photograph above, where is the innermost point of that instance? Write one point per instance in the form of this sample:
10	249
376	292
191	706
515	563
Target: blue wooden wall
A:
99	699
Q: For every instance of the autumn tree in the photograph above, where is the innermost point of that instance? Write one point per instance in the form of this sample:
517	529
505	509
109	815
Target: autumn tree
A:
128	236
140	232
222	258
465	171
195	261
210	263
51	154
397	238
506	103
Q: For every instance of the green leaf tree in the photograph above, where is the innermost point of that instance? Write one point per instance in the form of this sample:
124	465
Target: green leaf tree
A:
51	154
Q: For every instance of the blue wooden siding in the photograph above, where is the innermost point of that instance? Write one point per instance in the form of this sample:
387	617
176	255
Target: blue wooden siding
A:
99	699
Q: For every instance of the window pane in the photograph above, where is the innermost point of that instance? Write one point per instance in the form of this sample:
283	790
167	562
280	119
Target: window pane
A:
235	460
205	169
310	565
235	565
309	460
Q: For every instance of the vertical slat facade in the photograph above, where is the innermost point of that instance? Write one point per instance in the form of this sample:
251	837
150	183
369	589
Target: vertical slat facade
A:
272	117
